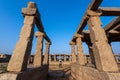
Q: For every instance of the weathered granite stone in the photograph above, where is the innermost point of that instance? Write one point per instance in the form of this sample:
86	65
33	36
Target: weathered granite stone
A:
81	58
91	52
18	61
104	57
38	60
73	52
87	73
46	56
31	74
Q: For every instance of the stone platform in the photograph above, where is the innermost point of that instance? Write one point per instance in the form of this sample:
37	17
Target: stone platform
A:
30	74
87	73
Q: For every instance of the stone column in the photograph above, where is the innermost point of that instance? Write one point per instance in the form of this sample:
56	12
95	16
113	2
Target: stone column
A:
91	52
104	57
73	52
81	58
49	58
64	58
38	59
54	57
21	53
46	56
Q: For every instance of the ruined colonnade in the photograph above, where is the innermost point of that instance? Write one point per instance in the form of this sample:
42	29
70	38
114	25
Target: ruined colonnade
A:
21	53
98	40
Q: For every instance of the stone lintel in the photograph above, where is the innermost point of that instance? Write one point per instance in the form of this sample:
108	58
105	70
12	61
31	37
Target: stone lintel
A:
93	13
78	35
38	34
29	11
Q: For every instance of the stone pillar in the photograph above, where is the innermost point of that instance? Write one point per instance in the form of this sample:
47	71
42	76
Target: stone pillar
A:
54	57
91	52
73	52
104	57
21	53
64	58
46	56
81	58
38	59
49	58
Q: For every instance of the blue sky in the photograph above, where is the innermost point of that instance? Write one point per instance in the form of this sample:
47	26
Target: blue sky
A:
60	19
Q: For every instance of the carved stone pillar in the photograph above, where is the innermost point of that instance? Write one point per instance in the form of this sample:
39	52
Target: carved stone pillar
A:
91	52
73	52
46	56
21	53
38	60
104	57
81	58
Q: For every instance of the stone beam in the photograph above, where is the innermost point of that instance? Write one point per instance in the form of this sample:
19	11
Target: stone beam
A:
93	6
117	27
109	11
34	12
41	29
114	32
114	38
112	24
30	12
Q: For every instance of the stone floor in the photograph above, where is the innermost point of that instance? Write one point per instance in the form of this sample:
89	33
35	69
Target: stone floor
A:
56	73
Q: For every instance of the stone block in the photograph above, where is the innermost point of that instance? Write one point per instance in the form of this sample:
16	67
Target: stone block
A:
31	74
87	73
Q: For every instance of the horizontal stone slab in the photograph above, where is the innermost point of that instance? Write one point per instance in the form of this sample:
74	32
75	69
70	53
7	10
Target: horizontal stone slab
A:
30	12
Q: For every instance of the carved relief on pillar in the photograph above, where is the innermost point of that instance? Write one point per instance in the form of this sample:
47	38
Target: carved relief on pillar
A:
104	57
73	51
38	60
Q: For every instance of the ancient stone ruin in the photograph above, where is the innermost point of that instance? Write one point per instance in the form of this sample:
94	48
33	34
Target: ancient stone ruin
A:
98	40
100	64
17	67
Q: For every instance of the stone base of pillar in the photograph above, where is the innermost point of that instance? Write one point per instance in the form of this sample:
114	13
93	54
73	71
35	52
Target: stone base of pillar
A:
87	73
30	74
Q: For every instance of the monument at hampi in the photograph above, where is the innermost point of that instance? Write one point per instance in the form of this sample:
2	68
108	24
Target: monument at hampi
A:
99	64
17	67
98	40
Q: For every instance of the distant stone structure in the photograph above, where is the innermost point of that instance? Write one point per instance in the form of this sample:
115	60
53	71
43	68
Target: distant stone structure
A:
98	41
4	58
54	58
